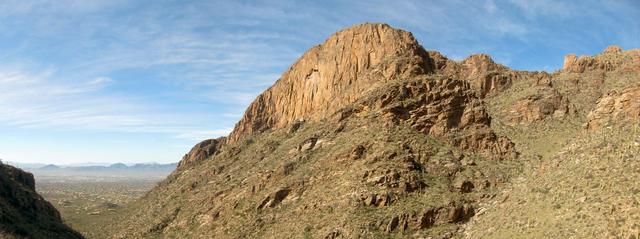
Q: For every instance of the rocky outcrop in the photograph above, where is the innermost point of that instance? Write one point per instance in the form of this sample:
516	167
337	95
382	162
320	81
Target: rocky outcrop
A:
613	58
333	75
616	108
354	62
546	103
201	151
24	213
442	107
429	217
485	75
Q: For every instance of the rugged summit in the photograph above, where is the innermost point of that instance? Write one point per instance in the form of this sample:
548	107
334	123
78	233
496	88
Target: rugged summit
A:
612	58
334	74
356	61
24	213
368	135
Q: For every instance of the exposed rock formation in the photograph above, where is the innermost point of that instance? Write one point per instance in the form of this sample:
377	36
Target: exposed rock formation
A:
484	75
201	151
24	213
429	217
334	74
441	107
353	62
616	108
569	61
546	103
613	58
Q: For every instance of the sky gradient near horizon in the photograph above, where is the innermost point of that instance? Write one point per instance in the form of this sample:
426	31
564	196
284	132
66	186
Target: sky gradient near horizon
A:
143	81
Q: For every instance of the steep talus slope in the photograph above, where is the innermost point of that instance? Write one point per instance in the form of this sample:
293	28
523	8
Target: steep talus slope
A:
24	213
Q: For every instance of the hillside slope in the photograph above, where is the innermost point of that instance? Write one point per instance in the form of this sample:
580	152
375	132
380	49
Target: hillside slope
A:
369	135
24	213
585	183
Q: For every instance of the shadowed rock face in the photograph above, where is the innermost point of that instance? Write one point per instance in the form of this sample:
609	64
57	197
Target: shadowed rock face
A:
24	213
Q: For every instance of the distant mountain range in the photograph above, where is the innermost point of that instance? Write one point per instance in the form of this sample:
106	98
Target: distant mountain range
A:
94	167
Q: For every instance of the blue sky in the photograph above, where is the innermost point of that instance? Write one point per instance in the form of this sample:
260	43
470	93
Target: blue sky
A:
142	81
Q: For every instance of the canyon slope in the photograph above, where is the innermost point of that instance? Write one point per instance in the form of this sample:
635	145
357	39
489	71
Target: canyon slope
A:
24	213
369	135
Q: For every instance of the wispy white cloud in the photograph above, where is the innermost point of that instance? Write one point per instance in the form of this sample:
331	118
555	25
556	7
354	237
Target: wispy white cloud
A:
188	68
490	6
41	101
34	100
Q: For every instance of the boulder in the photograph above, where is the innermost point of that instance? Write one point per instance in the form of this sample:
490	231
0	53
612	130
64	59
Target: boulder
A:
616	108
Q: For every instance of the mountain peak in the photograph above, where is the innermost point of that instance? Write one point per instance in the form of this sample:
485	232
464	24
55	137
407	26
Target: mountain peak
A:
334	74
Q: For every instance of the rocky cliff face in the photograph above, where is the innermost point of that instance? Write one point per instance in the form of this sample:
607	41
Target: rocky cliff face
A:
445	108
334	74
353	62
24	213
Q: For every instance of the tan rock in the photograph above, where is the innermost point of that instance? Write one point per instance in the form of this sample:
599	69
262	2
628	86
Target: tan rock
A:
354	62
201	151
569	61
334	74
612	58
616	108
546	103
445	108
480	64
613	49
